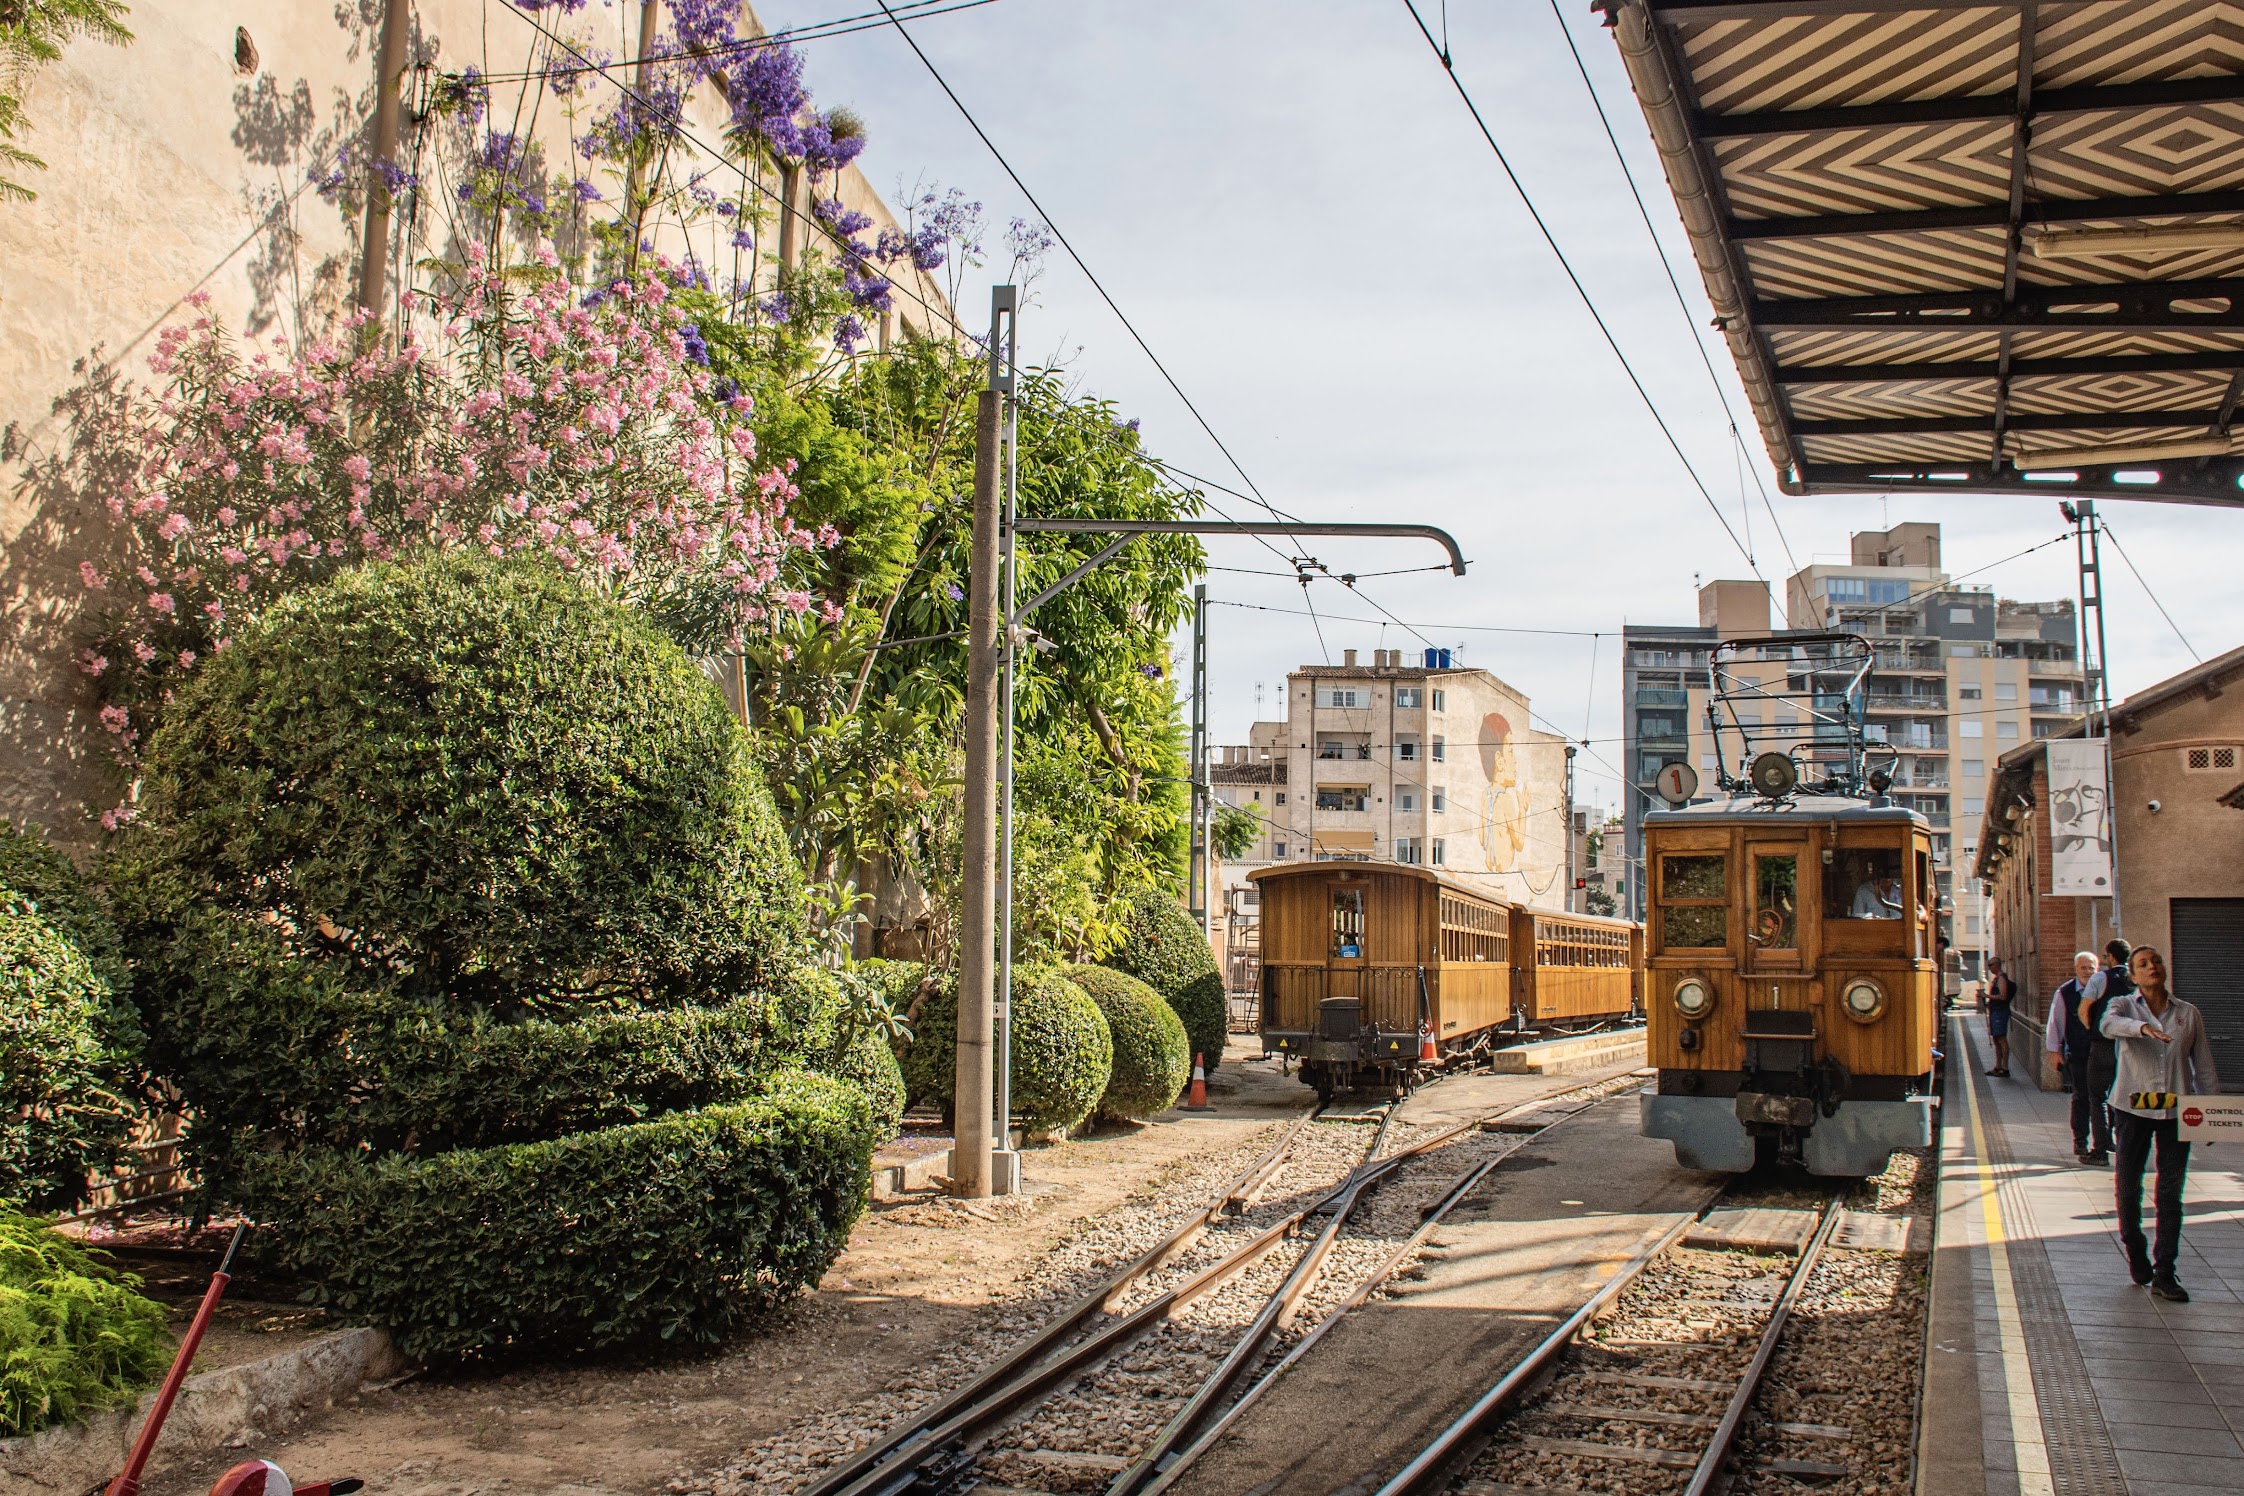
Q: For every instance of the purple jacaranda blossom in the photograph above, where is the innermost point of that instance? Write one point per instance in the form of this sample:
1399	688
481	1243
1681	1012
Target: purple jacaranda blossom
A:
839	217
950	590
765	90
743	239
696	351
585	191
848	333
867	291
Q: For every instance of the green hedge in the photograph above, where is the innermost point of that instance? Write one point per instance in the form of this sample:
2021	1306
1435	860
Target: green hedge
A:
666	1230
44	879
1152	1059
75	1335
1164	948
68	1085
480	784
1062	1051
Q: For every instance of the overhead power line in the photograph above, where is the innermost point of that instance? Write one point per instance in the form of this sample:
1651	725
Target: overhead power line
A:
2146	586
1682	302
1449	68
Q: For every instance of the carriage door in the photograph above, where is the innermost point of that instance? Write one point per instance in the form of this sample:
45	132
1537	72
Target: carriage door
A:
1344	963
1774	935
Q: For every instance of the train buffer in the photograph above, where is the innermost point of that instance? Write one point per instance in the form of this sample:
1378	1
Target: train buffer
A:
2047	1369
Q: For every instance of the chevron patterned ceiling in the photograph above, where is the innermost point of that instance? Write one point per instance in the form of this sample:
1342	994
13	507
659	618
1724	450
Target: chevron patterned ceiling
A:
1864	182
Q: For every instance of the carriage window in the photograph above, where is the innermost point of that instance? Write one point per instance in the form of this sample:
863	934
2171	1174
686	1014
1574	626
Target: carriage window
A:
1776	902
1693	893
1348	922
1863	883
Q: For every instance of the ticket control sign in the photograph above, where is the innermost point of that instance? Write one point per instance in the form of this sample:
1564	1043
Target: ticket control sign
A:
2211	1119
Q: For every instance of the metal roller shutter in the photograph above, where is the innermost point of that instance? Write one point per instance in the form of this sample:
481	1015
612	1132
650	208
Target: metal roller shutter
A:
2209	971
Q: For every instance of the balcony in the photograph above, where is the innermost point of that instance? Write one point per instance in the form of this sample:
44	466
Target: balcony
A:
1886	701
2067	668
1658	698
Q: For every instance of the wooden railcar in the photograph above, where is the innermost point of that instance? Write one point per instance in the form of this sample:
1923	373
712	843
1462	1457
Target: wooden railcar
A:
1793	981
1373	972
1586	969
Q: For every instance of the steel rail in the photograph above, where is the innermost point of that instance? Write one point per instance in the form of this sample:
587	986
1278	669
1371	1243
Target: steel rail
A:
1456	1446
1717	1456
843	1476
1163	1463
1431	1217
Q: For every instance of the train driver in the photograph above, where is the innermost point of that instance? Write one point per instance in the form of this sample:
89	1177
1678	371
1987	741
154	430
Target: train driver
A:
1879	897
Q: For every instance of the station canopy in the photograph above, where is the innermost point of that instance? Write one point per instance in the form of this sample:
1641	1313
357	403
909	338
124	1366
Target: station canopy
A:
1966	246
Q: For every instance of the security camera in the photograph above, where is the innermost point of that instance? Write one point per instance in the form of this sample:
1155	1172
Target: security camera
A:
2154	807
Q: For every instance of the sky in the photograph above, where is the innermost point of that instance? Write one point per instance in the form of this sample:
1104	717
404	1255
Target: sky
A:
1294	209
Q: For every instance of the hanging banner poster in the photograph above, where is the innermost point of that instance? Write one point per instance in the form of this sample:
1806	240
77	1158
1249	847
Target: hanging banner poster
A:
2080	819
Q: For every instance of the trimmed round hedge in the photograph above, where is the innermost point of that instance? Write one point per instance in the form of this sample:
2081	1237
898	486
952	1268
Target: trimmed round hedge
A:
464	925
478	782
1152	1058
75	1335
1164	947
70	1085
1062	1050
668	1230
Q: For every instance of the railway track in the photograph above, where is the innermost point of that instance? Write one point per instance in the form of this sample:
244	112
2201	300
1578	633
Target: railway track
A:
1181	1332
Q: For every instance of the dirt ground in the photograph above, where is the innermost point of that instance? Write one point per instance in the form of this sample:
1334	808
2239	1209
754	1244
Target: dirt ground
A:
914	1273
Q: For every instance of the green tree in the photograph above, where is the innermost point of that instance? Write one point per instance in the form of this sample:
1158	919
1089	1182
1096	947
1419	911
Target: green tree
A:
32	34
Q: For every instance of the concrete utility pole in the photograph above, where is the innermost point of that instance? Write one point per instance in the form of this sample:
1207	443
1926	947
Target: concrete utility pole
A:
374	253
973	1098
1203	843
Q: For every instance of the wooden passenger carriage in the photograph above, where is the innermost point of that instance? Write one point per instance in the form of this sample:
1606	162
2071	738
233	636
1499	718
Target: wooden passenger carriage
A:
1367	966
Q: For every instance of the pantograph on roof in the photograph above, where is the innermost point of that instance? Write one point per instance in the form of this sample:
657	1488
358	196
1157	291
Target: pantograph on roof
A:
1966	246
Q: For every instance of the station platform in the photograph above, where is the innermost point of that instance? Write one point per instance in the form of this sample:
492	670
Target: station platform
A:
2048	1372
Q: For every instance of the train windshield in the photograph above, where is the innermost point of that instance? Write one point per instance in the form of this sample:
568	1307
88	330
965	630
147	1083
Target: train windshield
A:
1863	883
1694	900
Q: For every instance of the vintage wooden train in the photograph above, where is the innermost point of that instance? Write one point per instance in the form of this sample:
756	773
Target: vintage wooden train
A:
1793	969
1374	973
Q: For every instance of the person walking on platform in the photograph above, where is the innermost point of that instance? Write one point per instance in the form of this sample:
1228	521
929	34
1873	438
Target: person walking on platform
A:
2164	1055
2000	991
2074	1034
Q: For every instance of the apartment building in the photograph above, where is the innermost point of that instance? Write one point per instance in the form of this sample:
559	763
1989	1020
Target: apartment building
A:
1960	676
1600	876
1410	758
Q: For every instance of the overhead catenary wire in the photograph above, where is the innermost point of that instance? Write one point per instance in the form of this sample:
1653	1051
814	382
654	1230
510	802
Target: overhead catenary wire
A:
2153	596
1682	302
1449	69
816	31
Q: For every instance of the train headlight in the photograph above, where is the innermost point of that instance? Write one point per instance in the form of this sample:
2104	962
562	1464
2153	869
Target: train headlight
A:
1694	999
1863	999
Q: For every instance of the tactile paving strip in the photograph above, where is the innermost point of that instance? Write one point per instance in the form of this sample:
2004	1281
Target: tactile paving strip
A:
2081	1458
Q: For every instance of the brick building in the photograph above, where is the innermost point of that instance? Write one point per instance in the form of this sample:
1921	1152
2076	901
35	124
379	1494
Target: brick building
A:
2177	765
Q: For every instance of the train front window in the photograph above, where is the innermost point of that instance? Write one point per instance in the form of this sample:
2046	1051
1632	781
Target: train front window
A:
1348	923
1776	902
1694	899
1863	883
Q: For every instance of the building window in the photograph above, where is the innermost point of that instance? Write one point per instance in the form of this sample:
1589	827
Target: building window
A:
1255	795
1279	798
1439	853
1407	752
2006	729
1963	651
1278	849
2006	690
1971	727
1441	796
1974	806
1405	800
1437	694
1342	797
1339	696
1406	849
1706	762
2205	760
1974	768
1967	693
1406	696
1328	750
1441	751
1961	615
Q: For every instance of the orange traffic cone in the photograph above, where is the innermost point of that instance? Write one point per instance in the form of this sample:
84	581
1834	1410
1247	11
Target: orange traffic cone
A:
1197	1101
1429	1053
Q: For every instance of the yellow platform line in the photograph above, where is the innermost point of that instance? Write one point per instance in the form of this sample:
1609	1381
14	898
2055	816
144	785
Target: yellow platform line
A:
2017	1371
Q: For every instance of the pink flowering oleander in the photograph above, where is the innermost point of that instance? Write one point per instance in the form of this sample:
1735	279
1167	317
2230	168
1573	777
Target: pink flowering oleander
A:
526	423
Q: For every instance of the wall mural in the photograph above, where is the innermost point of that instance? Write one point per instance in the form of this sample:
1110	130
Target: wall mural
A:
1503	829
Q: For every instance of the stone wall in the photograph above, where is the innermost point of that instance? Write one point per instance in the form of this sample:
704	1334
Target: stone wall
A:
185	162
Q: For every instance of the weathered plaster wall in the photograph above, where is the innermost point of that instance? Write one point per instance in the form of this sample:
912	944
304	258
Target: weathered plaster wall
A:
171	170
